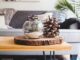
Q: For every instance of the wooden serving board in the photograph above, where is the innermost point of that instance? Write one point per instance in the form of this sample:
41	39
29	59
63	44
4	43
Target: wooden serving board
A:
37	42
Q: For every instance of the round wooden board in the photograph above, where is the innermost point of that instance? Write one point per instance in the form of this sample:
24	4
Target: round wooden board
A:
37	42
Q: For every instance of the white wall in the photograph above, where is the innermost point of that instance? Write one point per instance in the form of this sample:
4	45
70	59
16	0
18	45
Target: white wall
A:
40	5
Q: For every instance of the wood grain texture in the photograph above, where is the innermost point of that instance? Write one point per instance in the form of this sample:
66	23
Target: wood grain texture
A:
7	44
37	42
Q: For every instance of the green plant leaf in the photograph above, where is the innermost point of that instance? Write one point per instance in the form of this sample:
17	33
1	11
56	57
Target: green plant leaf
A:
64	4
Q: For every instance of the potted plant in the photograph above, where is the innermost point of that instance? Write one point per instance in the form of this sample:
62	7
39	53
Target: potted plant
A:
65	4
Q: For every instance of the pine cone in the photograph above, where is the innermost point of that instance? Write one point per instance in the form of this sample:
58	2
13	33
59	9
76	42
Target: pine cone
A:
51	28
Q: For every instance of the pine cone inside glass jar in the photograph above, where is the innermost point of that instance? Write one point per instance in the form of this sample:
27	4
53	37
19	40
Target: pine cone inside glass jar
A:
33	27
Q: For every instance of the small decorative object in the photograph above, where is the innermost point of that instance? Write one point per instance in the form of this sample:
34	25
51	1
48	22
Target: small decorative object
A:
33	27
51	28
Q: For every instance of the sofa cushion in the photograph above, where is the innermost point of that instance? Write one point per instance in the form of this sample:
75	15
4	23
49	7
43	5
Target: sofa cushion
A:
21	16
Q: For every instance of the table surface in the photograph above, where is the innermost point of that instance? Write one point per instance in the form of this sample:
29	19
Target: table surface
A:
7	44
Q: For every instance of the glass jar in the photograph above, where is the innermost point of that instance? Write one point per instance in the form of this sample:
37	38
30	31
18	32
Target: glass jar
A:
33	27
